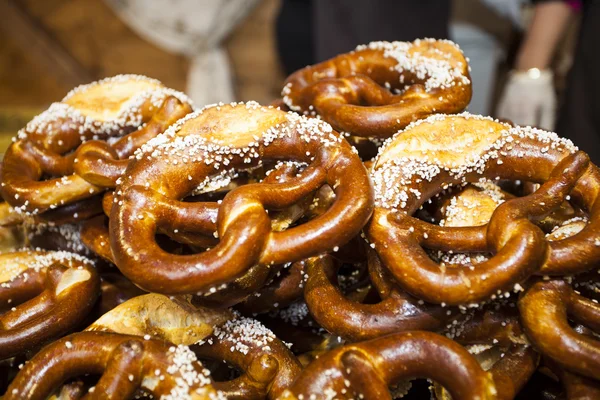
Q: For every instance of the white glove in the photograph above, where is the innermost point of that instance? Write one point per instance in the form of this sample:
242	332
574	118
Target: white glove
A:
529	99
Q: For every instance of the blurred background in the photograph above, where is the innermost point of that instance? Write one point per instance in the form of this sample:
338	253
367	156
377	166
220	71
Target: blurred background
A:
222	50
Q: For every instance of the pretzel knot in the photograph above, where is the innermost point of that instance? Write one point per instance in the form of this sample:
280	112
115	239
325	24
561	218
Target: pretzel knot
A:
41	168
366	369
203	146
126	363
45	295
381	87
554	302
444	151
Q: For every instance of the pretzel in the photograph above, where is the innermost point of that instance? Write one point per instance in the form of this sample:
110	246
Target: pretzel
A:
94	235
578	387
381	87
226	137
262	280
396	311
269	365
288	284
126	363
553	302
420	162
47	294
132	107
366	370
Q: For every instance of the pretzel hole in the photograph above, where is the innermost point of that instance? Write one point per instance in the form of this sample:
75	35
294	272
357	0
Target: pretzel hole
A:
221	370
173	246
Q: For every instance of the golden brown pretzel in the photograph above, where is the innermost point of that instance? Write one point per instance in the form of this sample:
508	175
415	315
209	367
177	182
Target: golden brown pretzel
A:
267	363
126	363
44	295
94	235
130	105
226	137
443	151
269	366
352	320
545	309
381	87
366	369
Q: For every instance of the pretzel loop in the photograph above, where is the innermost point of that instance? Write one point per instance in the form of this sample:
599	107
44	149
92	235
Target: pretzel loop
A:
125	362
397	311
102	164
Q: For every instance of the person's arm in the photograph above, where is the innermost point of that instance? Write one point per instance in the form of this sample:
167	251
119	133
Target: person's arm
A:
549	22
529	97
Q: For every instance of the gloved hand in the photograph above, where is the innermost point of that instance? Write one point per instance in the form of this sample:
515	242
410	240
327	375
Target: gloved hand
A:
529	99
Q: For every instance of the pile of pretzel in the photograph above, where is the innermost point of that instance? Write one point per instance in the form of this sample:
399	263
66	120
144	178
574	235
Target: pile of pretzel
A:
361	238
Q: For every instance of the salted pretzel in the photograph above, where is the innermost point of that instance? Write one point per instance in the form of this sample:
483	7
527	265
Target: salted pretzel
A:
381	87
396	311
204	144
554	302
366	369
44	295
268	364
443	151
126	363
49	165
